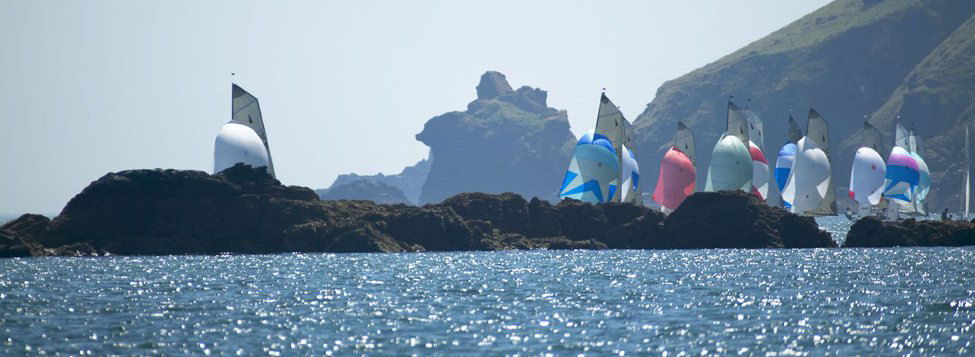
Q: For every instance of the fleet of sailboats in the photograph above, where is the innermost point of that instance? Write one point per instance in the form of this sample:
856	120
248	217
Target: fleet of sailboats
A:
604	169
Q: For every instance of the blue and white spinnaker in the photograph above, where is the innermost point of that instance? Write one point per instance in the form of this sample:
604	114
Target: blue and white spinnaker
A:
594	171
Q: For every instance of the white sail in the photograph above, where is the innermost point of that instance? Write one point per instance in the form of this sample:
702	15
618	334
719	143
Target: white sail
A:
810	186
867	178
237	143
869	170
246	110
730	167
611	125
924	176
756	147
966	179
630	177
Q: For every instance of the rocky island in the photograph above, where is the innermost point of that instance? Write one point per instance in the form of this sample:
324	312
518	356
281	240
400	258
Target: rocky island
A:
244	210
872	232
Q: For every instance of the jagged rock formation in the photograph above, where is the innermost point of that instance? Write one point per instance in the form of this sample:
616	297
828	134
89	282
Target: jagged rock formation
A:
409	181
506	140
872	232
851	58
364	189
244	210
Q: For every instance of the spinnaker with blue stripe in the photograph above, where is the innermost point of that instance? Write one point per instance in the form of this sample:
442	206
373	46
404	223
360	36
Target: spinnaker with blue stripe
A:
787	156
593	173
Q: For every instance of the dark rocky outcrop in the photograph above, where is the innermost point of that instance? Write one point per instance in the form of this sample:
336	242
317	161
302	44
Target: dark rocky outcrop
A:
22	238
911	58
506	141
244	210
872	232
735	219
364	189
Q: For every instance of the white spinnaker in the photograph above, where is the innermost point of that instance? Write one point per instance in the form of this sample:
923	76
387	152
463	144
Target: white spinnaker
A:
810	183
867	177
629	168
810	177
246	110
237	143
869	170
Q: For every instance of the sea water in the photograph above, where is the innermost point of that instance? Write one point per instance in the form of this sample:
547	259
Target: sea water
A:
789	301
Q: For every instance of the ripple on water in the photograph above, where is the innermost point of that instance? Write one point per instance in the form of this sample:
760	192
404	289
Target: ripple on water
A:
818	301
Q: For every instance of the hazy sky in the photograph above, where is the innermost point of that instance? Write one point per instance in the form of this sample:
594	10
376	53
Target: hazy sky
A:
90	87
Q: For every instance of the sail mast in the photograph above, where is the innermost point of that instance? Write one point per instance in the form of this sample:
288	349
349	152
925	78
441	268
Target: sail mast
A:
966	198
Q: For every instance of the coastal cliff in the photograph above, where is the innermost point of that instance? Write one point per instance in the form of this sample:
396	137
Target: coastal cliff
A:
244	210
850	58
506	141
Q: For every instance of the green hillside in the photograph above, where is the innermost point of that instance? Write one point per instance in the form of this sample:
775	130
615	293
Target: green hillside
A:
847	59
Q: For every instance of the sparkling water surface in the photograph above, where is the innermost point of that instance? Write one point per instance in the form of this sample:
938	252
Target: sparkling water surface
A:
815	301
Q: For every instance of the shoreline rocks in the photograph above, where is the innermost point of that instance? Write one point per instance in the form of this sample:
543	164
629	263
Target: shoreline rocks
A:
243	210
875	233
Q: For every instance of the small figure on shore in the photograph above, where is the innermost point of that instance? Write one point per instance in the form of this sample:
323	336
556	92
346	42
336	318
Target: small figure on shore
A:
849	214
944	214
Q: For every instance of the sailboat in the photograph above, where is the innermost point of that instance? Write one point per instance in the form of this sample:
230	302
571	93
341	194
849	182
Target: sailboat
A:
869	170
809	188
901	180
756	145
243	139
603	160
787	157
924	176
730	167
966	181
677	174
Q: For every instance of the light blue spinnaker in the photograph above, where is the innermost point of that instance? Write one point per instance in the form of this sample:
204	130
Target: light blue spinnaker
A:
594	171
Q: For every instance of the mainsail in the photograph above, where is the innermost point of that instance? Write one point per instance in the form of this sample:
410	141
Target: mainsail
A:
593	174
787	156
756	146
869	170
730	167
611	125
924	176
246	110
966	180
810	185
677	174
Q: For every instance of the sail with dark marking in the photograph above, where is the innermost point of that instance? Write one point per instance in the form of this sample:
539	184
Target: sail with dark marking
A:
246	110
